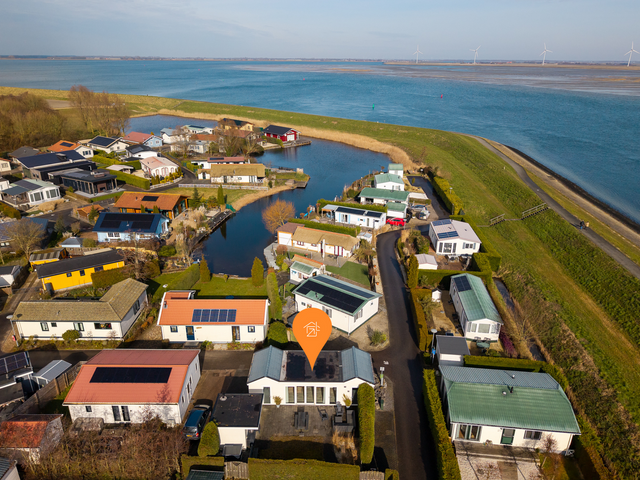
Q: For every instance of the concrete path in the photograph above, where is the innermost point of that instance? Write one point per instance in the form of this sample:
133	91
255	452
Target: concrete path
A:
415	449
609	249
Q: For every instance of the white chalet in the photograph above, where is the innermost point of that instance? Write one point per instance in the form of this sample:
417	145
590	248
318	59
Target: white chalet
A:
479	317
303	268
396	169
355	216
238	418
452	237
287	374
388	181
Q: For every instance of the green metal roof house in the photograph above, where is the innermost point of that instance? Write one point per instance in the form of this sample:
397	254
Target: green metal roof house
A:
381	196
479	318
396	169
388	181
506	407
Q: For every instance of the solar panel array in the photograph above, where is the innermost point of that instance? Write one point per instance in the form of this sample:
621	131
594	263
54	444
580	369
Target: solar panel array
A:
135	221
150	198
66	144
131	375
14	362
446	221
214	315
447	234
348	288
329	296
462	283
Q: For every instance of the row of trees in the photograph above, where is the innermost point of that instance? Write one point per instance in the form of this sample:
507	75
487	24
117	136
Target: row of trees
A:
28	120
104	112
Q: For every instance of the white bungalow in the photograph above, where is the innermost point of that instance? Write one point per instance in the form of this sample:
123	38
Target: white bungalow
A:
479	318
303	268
388	181
158	166
323	242
185	318
508	408
238	418
287	374
348	306
285	232
355	216
107	144
396	169
397	210
426	262
128	386
452	237
380	196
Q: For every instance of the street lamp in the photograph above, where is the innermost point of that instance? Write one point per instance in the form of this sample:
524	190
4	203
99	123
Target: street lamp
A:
433	343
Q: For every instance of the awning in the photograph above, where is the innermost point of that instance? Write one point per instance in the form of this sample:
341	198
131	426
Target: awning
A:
330	208
15	191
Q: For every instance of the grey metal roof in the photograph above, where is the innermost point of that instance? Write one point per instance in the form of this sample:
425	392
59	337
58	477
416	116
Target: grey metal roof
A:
24	152
277	130
452	345
72	242
78	263
475	298
45	159
102	141
489	376
5	466
395	195
266	363
357	364
53	370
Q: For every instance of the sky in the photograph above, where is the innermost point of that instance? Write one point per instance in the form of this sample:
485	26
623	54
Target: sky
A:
585	30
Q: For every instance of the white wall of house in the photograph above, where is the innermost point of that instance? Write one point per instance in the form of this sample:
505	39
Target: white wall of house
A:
167	412
296	277
337	250
449	359
396	172
85	151
118	146
188	388
284	238
237	179
390	186
494	435
374	200
234	436
453	246
44	194
312	247
427	266
361	220
478	329
313	393
215	333
5	166
340	320
145	154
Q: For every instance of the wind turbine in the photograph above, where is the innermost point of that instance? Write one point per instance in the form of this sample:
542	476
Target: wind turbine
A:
476	53
416	53
630	52
545	53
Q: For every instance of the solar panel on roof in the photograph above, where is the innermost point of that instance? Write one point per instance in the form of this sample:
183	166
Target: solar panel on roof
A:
223	316
348	288
196	315
205	315
330	296
446	221
214	315
66	144
150	198
448	234
462	283
232	316
13	362
131	375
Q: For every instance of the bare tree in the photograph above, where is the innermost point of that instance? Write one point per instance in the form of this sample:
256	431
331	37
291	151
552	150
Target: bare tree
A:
277	214
185	243
25	235
103	112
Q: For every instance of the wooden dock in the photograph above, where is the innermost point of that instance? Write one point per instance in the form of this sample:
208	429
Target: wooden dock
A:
298	143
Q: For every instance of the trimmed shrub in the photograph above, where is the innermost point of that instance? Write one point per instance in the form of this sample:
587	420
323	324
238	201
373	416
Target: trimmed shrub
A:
298	469
71	335
419	318
106	278
257	272
205	274
412	272
9	211
188	461
167	251
275	307
442	188
446	460
132	180
327	227
586	452
366	422
187	280
519	364
375	208
277	335
88	242
151	269
210	440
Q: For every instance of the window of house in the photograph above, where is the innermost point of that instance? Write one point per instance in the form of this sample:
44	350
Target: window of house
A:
136	306
484	328
314	245
507	436
69	274
333	394
44	326
446	248
300	394
125	414
113	234
309	394
473	327
440	248
78	326
251	329
354	396
102	326
327	311
469	432
320	395
358	315
99	269
87	409
302	303
300	243
174	329
291	392
116	414
494	328
54	324
531	435
82	273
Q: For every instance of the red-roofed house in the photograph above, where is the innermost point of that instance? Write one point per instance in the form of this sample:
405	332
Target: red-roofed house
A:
186	318
151	141
129	386
64	146
28	437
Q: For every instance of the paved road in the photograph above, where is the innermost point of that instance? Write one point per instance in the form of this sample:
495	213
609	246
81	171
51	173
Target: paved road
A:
416	458
612	251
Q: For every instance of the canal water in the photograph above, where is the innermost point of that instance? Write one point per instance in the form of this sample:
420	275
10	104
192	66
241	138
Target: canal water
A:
232	248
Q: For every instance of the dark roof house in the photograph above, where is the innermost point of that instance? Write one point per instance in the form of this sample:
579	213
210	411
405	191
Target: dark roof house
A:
24	152
78	263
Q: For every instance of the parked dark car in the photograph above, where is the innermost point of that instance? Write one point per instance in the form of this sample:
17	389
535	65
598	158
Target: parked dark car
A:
197	419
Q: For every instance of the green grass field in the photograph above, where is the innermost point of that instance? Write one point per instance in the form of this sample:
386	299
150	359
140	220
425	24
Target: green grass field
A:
217	287
353	271
232	195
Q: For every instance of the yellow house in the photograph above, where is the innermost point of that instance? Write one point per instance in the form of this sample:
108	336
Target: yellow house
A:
76	272
47	256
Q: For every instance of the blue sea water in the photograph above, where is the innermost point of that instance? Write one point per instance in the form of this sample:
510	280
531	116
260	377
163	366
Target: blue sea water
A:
580	123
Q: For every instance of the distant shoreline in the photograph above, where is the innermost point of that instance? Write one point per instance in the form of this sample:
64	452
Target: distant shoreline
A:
584	66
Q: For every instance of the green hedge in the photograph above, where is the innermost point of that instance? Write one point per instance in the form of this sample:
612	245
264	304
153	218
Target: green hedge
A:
486	249
132	180
188	462
586	452
301	470
517	364
275	306
277	335
327	227
210	440
391	474
106	278
446	460
419	318
366	422
442	188
376	208
114	161
9	211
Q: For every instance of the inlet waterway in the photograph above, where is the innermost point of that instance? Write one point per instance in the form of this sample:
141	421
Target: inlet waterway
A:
232	248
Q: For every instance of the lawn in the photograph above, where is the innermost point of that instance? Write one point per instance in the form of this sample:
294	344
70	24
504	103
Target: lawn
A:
55	405
353	271
218	287
156	283
231	194
288	448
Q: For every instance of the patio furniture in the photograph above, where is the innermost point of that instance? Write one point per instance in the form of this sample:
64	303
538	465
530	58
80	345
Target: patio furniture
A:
323	414
483	344
338	408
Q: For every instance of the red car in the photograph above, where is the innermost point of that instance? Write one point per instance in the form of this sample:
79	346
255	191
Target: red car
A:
396	221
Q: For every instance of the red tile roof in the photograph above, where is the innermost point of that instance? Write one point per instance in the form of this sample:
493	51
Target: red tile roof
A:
179	311
165	201
63	146
137	137
25	431
288	227
84	392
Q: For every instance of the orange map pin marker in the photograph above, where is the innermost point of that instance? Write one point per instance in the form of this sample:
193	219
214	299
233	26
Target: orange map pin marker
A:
312	328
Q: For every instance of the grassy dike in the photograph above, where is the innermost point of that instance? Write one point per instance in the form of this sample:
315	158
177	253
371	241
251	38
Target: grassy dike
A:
583	320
